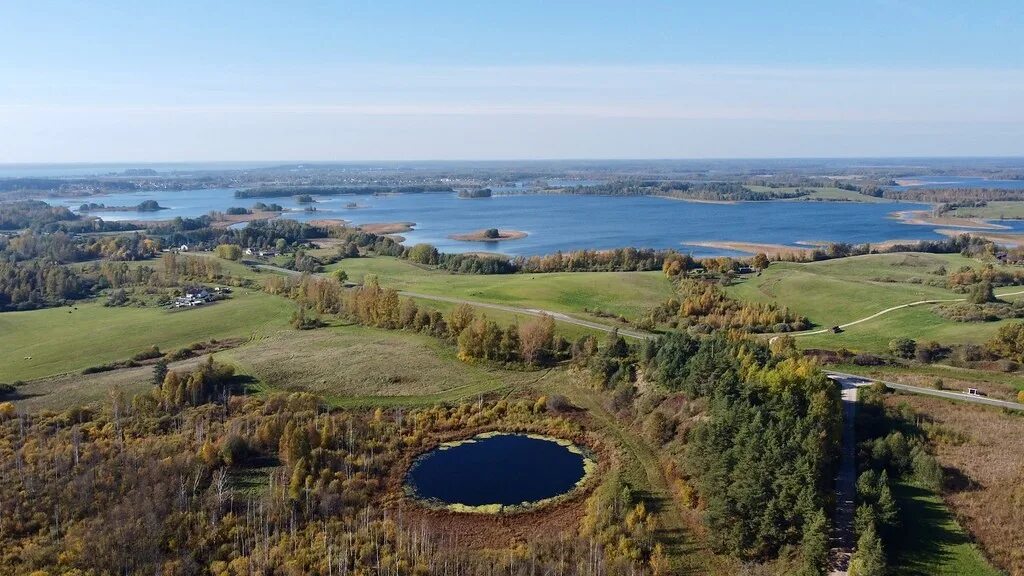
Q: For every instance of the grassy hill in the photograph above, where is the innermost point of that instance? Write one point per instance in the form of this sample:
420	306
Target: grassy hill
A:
835	292
56	340
629	294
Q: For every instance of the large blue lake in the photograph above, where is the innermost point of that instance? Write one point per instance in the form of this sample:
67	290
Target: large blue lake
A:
564	222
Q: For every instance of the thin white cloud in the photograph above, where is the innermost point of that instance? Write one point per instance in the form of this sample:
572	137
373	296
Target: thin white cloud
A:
404	112
670	92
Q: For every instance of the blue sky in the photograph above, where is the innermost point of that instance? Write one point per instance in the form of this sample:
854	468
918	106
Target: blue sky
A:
185	81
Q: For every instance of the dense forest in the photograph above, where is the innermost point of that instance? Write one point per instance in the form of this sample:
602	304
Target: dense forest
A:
32	214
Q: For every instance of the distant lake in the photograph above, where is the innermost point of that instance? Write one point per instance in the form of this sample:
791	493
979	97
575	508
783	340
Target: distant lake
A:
958	182
506	469
566	222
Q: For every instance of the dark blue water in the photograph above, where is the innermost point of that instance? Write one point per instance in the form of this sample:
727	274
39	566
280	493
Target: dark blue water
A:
562	223
507	469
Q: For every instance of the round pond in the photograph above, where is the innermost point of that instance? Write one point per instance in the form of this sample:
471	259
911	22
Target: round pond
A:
493	470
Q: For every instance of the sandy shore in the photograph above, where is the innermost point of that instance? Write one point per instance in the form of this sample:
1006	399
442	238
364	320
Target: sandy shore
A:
777	250
771	250
387	227
479	236
925	218
327	222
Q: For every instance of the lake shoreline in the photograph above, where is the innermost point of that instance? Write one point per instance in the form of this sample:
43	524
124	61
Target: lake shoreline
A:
925	218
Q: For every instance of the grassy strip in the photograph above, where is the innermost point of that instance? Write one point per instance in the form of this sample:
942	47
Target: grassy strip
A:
934	544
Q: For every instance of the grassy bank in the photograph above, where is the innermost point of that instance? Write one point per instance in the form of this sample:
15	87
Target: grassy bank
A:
934	544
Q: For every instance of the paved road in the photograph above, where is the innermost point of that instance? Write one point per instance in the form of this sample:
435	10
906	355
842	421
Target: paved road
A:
559	316
894	308
845	379
846	486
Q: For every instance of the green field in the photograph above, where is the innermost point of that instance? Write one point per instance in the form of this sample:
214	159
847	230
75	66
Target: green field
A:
629	294
935	544
918	323
353	365
994	210
835	292
57	340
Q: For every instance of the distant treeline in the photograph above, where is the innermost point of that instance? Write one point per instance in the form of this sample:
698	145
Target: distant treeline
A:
39	216
711	191
947	195
54	184
31	214
617	260
285	191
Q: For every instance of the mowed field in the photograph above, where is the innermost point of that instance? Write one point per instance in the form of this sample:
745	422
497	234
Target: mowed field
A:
835	292
629	294
53	341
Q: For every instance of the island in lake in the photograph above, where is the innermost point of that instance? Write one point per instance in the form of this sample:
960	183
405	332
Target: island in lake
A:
490	235
144	206
481	193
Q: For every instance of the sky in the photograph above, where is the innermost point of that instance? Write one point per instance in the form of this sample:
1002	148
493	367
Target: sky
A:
148	81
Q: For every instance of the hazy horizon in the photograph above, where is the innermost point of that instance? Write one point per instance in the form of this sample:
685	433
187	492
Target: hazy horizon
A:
458	81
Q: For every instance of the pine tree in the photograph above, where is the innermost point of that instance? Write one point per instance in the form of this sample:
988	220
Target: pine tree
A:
159	372
869	559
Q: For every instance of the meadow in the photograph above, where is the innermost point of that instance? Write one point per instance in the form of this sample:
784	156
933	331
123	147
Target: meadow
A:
836	292
351	365
629	294
993	210
52	341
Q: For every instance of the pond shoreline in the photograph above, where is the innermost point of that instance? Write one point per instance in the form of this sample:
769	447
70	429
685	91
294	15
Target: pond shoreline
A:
589	447
587	459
